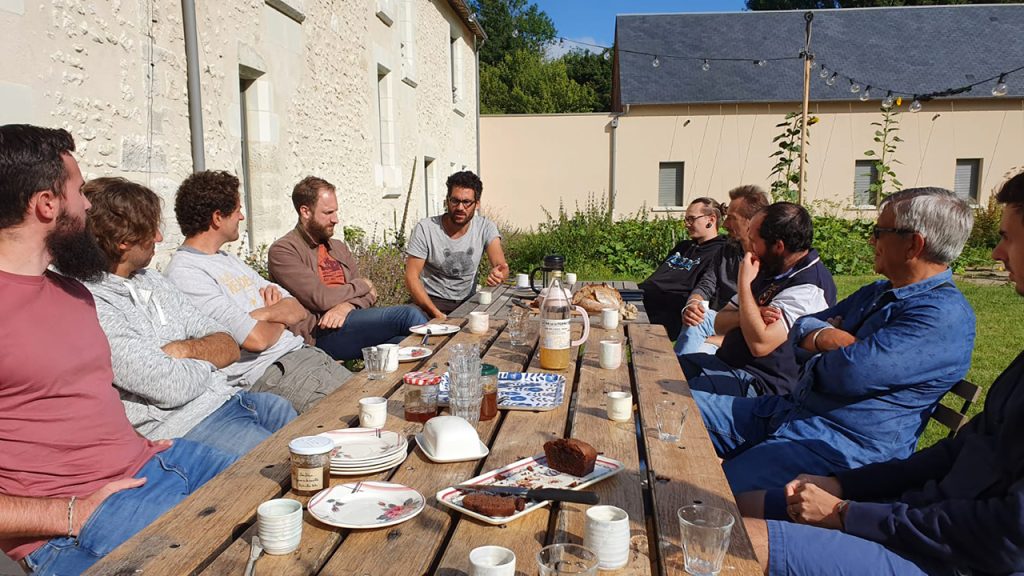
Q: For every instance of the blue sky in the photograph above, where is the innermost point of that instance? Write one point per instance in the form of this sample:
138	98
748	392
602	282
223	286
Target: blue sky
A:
593	21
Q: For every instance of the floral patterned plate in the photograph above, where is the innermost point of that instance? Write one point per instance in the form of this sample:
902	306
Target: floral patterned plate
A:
410	353
537	391
365	445
366	505
435	329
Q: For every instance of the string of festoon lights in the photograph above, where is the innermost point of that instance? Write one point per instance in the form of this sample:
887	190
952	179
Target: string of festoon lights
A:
829	74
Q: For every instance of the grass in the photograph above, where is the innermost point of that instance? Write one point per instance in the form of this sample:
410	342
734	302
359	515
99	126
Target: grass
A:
998	311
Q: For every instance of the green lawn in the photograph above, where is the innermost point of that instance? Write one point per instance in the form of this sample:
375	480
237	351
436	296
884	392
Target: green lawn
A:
1000	335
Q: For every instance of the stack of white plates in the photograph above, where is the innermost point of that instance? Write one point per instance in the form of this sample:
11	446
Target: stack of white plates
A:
359	451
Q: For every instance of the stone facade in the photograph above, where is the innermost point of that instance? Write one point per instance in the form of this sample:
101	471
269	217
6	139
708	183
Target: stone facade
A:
359	92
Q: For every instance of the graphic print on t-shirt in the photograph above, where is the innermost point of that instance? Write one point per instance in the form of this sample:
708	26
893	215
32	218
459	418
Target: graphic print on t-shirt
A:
457	264
330	269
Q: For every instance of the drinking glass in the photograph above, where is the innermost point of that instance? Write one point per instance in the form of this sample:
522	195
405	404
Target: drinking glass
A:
565	559
520	327
465	391
704	535
671	417
374	360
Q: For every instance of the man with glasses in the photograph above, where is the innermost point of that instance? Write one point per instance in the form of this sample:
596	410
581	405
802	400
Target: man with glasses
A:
321	273
874	365
444	251
683	279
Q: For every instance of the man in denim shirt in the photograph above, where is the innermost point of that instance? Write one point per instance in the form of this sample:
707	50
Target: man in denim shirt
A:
882	358
954	508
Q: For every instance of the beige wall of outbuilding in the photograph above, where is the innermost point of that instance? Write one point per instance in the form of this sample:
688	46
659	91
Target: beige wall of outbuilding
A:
114	74
533	163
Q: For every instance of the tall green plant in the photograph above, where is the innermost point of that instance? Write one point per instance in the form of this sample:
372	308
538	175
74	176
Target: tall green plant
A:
885	182
787	158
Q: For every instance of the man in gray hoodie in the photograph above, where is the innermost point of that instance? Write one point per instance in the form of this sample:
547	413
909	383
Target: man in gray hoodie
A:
167	356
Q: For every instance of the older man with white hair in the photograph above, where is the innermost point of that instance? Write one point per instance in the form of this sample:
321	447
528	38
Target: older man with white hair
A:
876	364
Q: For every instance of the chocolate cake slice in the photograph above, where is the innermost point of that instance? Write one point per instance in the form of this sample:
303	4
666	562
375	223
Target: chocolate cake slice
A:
491	505
571	456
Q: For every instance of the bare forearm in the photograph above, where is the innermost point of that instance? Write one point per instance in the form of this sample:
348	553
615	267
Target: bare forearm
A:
20	517
417	292
218	349
263	336
760	337
726	320
287	311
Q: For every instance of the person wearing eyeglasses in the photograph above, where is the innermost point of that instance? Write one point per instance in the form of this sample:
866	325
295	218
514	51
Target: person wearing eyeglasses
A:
443	253
322	274
874	366
677	283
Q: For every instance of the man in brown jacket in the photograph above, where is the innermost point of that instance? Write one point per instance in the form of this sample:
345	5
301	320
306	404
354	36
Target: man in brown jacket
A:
322	274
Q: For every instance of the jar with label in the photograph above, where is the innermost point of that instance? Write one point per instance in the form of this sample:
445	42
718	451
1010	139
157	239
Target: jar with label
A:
489	385
421	396
311	464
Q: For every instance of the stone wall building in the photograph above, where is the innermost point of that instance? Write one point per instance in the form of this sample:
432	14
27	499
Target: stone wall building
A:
377	96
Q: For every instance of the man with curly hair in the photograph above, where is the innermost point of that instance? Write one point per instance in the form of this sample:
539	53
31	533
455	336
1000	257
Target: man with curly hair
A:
444	251
322	273
265	320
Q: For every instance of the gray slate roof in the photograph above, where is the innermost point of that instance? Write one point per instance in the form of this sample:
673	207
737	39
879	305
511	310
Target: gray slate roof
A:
912	50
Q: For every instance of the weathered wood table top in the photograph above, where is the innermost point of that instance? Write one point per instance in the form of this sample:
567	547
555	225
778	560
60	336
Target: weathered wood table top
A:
209	533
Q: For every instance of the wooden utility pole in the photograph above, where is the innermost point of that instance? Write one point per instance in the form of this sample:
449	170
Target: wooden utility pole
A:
808	58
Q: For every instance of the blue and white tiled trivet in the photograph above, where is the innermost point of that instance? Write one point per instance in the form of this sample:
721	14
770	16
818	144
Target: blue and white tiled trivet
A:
537	391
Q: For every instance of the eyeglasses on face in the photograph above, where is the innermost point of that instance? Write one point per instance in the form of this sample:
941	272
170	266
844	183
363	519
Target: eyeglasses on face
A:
692	219
877	231
463	203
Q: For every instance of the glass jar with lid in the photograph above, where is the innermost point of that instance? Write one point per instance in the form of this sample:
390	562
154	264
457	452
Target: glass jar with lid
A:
489	385
421	396
311	464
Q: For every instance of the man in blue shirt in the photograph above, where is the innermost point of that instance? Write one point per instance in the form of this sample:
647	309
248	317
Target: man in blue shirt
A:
954	508
879	360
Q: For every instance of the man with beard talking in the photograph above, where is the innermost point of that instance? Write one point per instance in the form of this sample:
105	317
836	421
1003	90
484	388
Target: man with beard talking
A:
322	274
66	446
781	278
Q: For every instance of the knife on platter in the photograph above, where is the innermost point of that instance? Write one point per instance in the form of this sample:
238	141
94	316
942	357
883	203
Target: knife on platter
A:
536	494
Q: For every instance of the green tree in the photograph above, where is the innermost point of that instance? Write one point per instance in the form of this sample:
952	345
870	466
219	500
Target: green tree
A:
512	26
594	71
524	83
885	182
819	4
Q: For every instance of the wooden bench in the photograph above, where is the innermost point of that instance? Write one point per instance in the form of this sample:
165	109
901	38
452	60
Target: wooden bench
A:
953	419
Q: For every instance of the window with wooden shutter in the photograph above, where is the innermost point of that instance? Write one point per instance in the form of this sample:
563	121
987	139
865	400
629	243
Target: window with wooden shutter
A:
965	183
864	173
670	184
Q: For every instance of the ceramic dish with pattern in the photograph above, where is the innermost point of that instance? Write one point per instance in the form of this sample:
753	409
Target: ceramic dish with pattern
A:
366	505
528	473
369	468
411	353
365	445
537	391
435	329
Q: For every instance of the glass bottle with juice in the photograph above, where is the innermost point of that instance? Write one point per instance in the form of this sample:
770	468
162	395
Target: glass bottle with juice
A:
555	329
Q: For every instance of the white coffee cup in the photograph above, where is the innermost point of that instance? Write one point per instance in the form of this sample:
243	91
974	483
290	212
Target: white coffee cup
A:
373	412
611	354
484	297
479	322
279	525
610	318
620	406
522	280
570	278
606	532
492	561
390	352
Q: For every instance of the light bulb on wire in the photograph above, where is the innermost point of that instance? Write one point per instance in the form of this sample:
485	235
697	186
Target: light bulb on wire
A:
915	106
607	54
761	63
655	62
824	73
866	94
706	65
854	87
1000	88
515	33
831	81
888	101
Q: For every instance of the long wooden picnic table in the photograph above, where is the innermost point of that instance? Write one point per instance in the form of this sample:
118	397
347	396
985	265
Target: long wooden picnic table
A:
209	533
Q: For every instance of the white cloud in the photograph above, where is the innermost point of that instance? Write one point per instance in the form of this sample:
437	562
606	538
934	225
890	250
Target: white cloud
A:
557	49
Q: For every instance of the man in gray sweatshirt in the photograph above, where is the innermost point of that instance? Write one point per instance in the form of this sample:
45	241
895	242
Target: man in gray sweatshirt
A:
167	356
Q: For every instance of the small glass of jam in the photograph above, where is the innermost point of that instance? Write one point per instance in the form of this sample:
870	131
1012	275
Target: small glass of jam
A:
421	396
489	385
311	464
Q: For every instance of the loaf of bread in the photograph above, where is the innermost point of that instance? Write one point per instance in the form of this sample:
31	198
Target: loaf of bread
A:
571	456
491	505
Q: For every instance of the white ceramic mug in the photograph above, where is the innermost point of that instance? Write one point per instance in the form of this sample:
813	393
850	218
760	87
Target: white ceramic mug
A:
611	354
607	532
484	297
373	412
522	280
492	561
570	278
279	525
390	352
620	406
479	322
610	318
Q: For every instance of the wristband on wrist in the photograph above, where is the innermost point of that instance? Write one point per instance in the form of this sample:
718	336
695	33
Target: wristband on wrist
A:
814	339
71	516
840	510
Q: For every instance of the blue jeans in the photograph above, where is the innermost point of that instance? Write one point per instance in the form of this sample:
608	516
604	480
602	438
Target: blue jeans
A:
742	432
241	423
369	327
708	373
691	338
170	476
799	549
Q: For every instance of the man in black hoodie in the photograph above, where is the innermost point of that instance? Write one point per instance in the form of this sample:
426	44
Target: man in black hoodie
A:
669	288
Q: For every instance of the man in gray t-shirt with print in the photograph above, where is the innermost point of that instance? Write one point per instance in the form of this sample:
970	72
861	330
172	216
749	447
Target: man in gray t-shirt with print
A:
444	251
